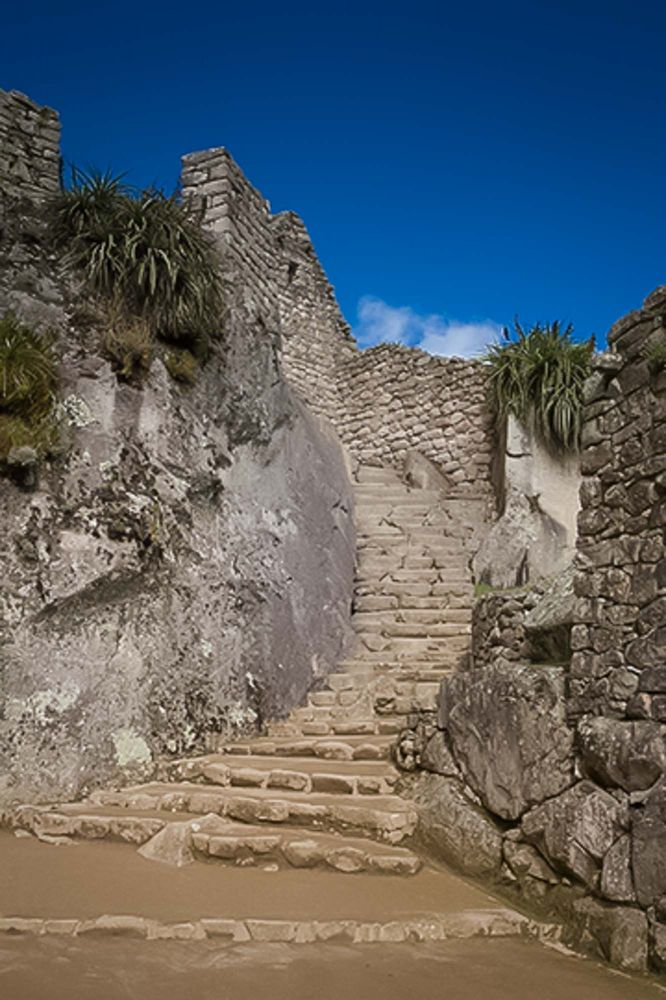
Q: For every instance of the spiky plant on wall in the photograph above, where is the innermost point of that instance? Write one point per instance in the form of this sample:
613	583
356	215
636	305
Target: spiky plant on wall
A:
538	375
28	381
141	249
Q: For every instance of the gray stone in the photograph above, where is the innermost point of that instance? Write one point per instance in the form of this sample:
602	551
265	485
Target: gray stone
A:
436	756
509	735
576	829
453	828
616	876
618	934
649	847
548	624
630	755
526	862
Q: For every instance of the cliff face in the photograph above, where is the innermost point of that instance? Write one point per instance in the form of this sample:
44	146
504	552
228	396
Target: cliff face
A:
186	567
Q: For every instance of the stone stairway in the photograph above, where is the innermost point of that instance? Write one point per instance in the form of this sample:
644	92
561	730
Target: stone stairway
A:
412	613
317	790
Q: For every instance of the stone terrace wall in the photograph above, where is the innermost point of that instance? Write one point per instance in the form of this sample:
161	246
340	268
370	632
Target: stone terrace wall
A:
29	148
619	663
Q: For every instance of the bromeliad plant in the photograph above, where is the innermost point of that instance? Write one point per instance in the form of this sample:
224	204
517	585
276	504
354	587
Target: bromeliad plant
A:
538	376
143	250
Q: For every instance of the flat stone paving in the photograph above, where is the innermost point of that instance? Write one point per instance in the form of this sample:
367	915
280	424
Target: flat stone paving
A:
63	969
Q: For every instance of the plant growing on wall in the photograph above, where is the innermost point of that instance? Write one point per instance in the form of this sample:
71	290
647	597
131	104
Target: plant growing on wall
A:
28	381
143	250
538	376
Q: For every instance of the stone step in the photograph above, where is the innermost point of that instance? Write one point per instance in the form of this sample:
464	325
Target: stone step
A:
338	722
245	845
401	616
387	818
411	589
383	474
224	904
414	630
406	654
462	598
215	838
390	493
417	534
294	773
340	748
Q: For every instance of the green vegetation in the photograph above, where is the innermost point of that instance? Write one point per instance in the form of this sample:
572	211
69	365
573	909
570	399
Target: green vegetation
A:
538	376
181	366
142	250
655	355
28	382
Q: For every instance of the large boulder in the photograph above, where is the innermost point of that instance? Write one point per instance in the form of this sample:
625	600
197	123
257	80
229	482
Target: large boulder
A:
509	736
454	828
619	934
628	755
576	829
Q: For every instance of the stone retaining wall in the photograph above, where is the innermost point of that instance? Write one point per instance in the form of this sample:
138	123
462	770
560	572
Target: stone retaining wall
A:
29	148
551	780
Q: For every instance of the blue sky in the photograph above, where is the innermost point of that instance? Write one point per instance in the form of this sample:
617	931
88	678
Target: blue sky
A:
456	164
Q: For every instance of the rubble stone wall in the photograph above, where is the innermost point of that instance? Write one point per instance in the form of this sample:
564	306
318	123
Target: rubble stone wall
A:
29	148
498	629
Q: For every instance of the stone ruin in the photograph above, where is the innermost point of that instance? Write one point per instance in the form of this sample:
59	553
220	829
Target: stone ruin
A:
203	564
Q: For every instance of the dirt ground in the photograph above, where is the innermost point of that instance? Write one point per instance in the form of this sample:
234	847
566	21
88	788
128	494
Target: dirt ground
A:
59	969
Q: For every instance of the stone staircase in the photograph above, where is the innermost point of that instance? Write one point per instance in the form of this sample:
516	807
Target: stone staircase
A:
412	613
317	790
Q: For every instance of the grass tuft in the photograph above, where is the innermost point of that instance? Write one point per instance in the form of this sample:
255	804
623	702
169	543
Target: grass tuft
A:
28	382
141	249
538	376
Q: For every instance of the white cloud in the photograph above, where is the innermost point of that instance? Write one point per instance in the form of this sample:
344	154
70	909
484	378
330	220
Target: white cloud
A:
380	323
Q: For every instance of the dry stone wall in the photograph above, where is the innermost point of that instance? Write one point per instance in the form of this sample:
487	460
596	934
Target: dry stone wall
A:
385	402
29	148
558	771
619	662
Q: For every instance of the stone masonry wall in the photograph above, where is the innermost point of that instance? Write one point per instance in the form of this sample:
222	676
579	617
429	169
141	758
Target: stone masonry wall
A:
619	664
29	148
383	402
315	338
498	626
401	399
549	774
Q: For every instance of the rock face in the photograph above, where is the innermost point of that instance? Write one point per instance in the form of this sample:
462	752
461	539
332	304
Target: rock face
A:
628	755
535	536
649	847
508	734
186	568
575	830
454	828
